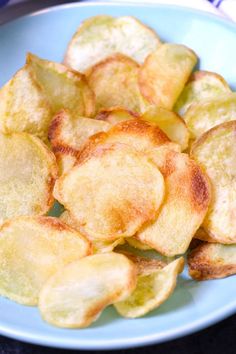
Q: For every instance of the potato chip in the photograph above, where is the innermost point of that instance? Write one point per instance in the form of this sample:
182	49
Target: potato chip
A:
112	193
101	36
68	133
201	85
185	205
164	73
215	151
115	83
151	290
24	106
99	246
212	261
28	172
115	115
134	242
31	250
170	123
75	296
202	235
204	115
64	88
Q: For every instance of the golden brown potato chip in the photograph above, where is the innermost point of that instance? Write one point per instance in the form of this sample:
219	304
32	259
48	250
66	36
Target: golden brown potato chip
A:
101	36
115	83
113	192
75	296
63	87
170	123
31	250
215	151
201	85
185	205
68	133
134	242
115	115
204	115
212	261
24	106
202	235
99	246
28	172
151	291
164	73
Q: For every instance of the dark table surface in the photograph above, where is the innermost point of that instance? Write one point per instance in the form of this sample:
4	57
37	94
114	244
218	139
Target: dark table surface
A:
218	339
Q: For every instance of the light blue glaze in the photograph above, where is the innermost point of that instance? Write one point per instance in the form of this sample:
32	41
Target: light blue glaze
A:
193	305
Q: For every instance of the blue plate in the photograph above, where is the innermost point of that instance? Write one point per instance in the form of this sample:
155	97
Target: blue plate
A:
194	305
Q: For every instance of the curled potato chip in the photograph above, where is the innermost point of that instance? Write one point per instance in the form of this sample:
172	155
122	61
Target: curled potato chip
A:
64	88
112	192
204	115
212	261
31	250
28	172
134	242
185	205
24	106
99	246
115	83
76	296
201	85
115	115
215	151
68	133
151	290
170	123
164	73
101	36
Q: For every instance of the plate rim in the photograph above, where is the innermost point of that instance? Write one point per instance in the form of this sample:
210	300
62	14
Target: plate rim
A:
139	341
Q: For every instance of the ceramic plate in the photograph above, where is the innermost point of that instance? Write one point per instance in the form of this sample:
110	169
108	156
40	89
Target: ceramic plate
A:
194	305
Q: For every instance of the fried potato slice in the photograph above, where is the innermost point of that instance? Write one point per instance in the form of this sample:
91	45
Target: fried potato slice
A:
115	115
164	73
151	291
134	242
215	151
115	83
28	172
101	36
201	85
76	296
24	106
99	246
64	88
170	123
204	115
185	205
67	134
31	250
212	261
202	235
112	193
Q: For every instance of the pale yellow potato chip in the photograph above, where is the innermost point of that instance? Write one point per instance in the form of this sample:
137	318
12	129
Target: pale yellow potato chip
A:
112	192
165	72
204	115
101	36
212	261
28	173
31	250
134	242
151	290
201	85
24	106
99	246
115	115
170	123
185	205
215	151
67	134
63	87
115	83
75	296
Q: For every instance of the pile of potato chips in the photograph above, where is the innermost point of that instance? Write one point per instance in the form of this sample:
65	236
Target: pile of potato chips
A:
141	154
